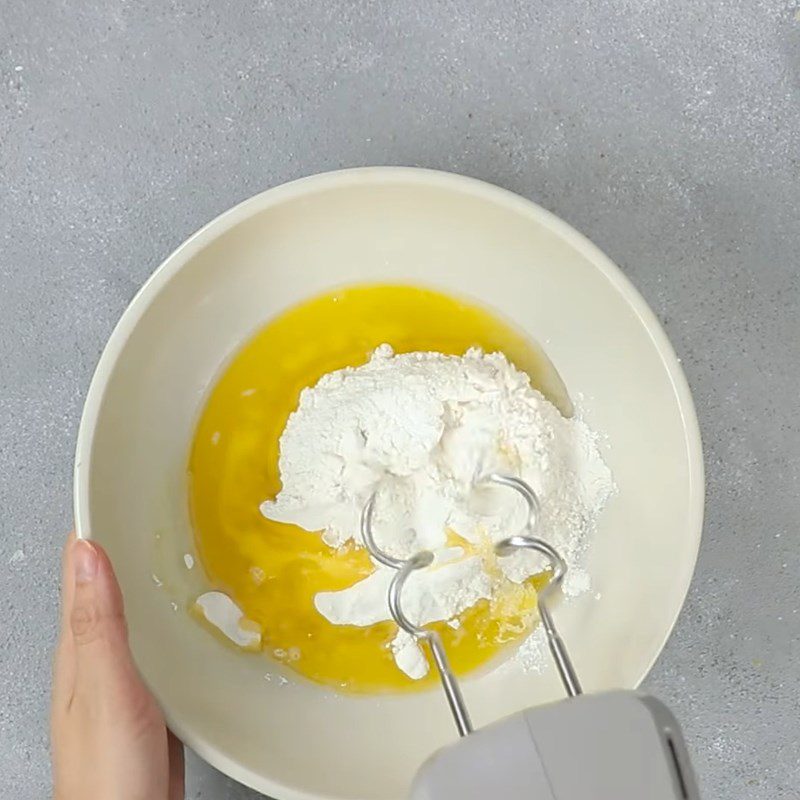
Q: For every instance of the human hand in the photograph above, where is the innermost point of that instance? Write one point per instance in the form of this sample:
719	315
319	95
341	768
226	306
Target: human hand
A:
109	738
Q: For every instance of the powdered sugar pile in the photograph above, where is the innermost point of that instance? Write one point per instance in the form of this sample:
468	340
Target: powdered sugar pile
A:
421	429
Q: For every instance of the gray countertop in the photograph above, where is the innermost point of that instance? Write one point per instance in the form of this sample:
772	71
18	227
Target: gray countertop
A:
668	132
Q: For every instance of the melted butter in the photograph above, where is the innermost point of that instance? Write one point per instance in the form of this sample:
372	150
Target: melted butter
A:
272	570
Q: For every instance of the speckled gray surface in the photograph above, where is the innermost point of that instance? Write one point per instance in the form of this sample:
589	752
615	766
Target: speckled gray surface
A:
668	132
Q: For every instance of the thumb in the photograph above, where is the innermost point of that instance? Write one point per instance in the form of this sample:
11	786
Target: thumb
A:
97	619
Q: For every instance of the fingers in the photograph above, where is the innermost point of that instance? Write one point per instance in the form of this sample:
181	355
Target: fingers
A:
97	621
109	736
64	662
67	583
176	767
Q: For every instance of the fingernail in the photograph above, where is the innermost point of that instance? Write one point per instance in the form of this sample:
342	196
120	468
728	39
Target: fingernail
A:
85	560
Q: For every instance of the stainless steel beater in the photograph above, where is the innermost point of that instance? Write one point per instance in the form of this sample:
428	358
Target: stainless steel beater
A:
616	745
423	559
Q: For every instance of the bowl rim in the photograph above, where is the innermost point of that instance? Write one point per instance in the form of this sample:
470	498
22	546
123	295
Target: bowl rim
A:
365	176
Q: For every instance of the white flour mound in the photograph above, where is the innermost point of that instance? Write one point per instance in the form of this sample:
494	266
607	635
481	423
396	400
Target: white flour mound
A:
422	429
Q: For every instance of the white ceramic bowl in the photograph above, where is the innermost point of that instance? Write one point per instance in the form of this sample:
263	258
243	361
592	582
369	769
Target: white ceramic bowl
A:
380	224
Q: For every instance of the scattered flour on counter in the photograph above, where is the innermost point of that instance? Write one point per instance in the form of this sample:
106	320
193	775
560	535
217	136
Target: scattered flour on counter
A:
421	429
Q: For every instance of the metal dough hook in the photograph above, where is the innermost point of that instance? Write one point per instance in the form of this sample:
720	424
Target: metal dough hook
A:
509	546
504	548
404	568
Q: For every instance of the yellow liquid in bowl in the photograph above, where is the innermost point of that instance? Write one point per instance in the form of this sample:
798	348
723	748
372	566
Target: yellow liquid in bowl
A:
273	570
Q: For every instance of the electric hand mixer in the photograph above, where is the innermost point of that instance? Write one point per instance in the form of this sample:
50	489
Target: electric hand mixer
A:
619	745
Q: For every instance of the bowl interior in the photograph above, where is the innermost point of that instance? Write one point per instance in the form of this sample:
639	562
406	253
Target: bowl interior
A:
298	740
